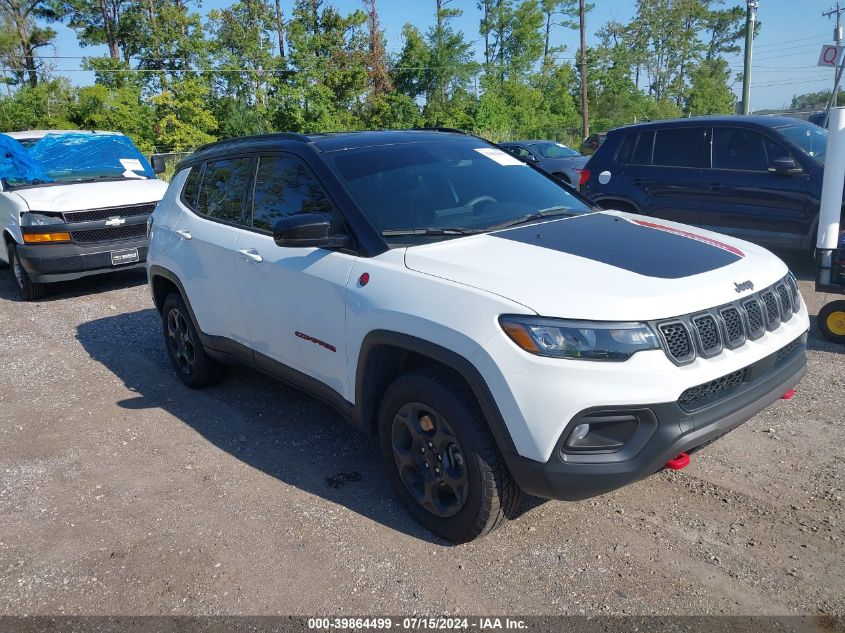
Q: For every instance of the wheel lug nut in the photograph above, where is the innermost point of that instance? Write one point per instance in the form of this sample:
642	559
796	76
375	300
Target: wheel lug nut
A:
430	445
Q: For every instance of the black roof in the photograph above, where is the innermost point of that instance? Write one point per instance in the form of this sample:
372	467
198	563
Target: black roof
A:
325	142
751	120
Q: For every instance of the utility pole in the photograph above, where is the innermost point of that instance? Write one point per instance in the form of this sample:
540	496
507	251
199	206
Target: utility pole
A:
585	105
837	37
750	20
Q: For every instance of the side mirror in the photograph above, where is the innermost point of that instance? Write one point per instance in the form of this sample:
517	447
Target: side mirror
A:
307	230
158	163
785	166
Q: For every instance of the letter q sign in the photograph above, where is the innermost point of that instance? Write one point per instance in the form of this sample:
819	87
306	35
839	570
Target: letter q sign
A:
830	55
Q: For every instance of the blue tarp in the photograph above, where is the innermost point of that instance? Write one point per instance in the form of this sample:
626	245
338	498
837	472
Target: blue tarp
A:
90	155
17	164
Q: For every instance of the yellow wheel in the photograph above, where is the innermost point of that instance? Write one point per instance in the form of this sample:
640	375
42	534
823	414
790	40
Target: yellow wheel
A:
831	321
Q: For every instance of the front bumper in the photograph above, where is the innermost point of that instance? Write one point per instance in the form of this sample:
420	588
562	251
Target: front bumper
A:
47	263
668	430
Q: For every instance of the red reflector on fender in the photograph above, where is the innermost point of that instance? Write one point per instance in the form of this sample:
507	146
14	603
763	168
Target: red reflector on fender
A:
681	461
584	176
788	395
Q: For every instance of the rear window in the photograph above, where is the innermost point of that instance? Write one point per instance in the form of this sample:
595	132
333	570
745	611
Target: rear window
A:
223	190
642	151
626	149
682	147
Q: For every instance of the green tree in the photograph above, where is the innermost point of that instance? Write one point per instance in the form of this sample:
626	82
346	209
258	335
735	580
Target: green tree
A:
710	92
183	119
43	106
21	17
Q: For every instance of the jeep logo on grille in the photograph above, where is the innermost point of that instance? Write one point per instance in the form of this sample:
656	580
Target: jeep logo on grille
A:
117	221
743	286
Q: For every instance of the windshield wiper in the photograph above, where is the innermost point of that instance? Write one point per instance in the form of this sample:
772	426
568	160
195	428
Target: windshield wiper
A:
430	231
537	215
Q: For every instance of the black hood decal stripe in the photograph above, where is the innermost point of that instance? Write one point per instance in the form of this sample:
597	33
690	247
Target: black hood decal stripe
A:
639	246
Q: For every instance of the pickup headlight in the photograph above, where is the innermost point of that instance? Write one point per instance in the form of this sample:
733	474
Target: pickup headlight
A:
585	340
40	219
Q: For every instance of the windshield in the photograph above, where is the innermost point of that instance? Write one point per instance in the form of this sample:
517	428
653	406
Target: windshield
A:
812	139
553	150
77	157
462	184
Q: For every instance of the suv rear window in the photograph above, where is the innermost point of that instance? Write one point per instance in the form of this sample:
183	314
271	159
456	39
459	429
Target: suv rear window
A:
642	153
682	147
223	189
626	149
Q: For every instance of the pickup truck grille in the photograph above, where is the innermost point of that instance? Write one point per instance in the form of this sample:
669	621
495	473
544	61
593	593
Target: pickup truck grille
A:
708	333
715	390
105	214
109	234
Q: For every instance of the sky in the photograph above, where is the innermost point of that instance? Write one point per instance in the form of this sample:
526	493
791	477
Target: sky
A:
783	62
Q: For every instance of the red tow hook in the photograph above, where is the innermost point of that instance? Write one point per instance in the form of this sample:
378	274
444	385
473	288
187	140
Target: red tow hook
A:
681	461
788	395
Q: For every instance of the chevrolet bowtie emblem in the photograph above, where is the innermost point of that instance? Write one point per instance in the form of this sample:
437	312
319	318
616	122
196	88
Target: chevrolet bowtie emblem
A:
115	221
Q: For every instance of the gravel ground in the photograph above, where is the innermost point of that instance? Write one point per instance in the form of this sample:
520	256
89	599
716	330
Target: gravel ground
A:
122	492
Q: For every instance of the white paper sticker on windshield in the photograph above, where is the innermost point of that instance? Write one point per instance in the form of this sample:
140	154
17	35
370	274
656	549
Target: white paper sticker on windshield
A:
503	158
131	164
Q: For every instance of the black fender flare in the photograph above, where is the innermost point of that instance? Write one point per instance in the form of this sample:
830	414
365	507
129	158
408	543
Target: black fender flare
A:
442	355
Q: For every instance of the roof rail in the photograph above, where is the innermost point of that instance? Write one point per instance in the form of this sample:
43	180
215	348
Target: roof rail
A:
287	136
442	129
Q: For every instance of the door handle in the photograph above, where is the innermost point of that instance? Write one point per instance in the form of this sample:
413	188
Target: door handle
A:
251	254
185	235
716	186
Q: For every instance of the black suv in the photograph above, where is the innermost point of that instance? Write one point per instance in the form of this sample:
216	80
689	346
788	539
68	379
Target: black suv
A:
754	177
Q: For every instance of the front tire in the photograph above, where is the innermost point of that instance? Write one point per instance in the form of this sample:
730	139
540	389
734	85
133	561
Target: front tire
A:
441	459
831	321
27	289
190	361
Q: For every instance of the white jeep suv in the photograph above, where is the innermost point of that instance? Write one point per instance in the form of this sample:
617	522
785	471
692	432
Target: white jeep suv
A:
495	331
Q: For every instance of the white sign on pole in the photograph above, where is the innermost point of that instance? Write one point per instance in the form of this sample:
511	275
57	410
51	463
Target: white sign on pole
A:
830	55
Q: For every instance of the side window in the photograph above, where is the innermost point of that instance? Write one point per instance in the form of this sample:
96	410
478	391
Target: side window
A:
682	147
774	151
626	150
519	152
284	186
223	190
738	149
642	152
192	186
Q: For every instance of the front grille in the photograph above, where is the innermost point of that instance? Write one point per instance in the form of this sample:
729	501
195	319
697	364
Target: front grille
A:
756	322
700	395
785	301
734	332
105	214
110	234
714	390
772	310
678	343
787	351
707	333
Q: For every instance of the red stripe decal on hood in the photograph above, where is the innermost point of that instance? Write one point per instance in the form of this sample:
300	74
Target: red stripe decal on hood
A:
692	236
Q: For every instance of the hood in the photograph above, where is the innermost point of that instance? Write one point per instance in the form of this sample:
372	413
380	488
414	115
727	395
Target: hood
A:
92	195
608	266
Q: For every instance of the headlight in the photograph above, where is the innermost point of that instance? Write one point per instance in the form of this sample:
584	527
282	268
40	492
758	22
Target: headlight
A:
40	219
587	340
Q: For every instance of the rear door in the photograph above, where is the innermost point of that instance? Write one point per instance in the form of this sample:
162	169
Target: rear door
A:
209	228
665	174
294	299
744	199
